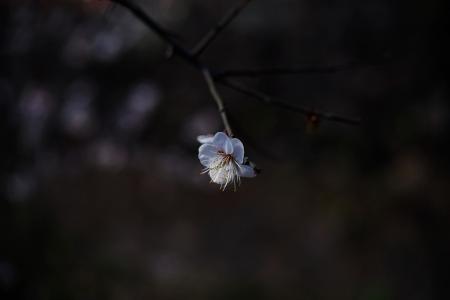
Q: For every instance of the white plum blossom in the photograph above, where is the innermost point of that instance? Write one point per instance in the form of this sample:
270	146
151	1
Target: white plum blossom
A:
223	159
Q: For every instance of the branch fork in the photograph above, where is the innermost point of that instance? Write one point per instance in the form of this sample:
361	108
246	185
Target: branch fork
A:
192	58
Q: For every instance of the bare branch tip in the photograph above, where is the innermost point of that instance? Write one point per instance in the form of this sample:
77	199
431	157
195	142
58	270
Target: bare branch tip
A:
214	32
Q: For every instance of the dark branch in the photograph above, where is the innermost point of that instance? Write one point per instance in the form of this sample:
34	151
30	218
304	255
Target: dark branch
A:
160	32
269	100
211	35
258	72
191	59
177	49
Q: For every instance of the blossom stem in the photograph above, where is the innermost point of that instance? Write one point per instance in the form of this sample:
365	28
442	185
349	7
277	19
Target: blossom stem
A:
215	94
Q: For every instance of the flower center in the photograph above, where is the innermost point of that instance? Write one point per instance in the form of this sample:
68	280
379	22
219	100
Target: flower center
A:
225	158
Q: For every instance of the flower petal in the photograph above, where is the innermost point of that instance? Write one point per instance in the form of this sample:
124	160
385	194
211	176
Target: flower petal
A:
238	150
228	147
223	142
206	138
207	153
246	171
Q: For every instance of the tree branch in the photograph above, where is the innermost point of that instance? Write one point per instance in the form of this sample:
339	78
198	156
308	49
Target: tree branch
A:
182	53
211	35
160	32
269	100
193	60
258	72
213	90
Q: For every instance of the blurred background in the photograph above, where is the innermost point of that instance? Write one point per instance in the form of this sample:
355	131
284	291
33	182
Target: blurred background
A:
101	192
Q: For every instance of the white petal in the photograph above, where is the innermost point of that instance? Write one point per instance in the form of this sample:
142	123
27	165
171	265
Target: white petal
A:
228	147
207	153
223	142
246	171
238	150
207	138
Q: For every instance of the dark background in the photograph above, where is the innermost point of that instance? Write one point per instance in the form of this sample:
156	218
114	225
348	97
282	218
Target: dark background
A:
101	196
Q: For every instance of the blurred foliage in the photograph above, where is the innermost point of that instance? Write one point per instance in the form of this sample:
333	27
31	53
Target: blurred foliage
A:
100	185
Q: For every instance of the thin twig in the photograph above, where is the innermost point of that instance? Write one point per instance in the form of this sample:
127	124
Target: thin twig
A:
211	35
258	72
213	90
193	60
184	54
266	99
160	32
